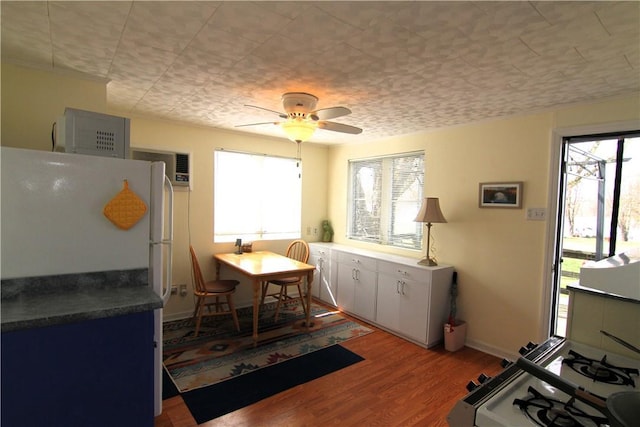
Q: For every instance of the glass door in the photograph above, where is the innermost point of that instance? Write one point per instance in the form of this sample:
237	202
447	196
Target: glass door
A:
599	208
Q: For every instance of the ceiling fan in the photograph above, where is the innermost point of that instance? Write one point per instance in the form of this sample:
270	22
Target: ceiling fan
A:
301	119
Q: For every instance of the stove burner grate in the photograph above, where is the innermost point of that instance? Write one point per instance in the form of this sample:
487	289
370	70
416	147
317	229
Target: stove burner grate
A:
600	370
549	412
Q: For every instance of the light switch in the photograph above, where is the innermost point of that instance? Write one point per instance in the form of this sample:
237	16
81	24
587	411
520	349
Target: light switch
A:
536	214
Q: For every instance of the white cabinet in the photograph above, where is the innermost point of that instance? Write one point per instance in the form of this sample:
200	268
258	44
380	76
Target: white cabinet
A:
324	282
413	301
357	278
389	291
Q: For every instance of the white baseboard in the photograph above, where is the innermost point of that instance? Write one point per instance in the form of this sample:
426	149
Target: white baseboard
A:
494	351
187	314
177	316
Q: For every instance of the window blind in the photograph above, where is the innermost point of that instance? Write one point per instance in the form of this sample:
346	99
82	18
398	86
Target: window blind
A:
256	197
385	194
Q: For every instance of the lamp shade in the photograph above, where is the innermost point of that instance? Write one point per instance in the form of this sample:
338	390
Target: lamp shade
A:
430	211
298	130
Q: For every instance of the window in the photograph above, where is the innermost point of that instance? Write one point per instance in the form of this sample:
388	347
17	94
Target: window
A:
385	194
256	197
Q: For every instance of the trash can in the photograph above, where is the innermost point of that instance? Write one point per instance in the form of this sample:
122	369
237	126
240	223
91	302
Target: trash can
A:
454	335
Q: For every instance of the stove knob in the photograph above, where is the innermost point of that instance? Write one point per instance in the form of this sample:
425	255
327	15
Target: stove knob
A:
527	348
483	378
505	363
472	386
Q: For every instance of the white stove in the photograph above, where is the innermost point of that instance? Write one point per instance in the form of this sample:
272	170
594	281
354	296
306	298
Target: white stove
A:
517	398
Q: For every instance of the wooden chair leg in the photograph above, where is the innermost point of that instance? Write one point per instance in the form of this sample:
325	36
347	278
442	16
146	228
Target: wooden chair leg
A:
302	300
233	312
199	308
195	311
282	288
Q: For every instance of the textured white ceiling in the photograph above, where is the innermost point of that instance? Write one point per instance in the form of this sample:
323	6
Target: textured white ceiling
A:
401	67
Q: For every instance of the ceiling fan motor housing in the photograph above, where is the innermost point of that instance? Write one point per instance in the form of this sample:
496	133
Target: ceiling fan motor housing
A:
299	104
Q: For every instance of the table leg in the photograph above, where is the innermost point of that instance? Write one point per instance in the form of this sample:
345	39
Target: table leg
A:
256	296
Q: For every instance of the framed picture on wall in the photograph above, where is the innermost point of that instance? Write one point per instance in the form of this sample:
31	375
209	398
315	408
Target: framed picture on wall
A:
501	195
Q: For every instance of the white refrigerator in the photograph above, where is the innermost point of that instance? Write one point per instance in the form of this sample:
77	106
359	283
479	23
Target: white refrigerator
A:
53	221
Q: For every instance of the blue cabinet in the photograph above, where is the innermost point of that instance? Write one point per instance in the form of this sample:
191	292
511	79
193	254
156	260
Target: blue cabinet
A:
93	373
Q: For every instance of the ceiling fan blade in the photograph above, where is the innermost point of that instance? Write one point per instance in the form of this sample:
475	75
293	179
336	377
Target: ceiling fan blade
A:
329	113
281	115
339	127
257	124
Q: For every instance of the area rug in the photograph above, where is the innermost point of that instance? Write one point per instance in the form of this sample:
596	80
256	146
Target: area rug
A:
220	353
211	402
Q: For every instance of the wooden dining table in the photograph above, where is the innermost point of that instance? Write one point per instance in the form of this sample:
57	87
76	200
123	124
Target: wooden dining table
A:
264	266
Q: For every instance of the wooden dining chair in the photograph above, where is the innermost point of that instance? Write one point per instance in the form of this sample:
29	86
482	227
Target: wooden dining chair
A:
209	295
298	250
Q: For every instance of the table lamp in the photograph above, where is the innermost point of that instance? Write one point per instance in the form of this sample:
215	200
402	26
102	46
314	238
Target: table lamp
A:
429	213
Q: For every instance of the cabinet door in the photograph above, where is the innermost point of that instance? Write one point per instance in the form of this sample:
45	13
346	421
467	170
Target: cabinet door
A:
327	284
96	373
388	302
346	286
365	285
414	309
317	275
403	306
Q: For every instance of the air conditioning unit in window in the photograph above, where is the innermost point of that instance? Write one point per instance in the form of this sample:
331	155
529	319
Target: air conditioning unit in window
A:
176	164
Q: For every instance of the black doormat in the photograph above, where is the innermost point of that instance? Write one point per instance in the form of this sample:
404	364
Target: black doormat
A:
216	400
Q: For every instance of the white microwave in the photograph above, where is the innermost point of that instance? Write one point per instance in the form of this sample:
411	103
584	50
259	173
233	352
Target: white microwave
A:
95	134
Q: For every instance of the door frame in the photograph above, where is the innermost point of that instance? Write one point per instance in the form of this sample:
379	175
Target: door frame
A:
555	161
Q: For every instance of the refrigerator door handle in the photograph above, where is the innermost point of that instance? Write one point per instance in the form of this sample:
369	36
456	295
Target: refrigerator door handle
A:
169	242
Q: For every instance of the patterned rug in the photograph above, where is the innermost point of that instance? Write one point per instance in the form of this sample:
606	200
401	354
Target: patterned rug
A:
220	352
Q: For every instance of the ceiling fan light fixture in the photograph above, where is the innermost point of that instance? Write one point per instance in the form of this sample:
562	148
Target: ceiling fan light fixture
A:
298	130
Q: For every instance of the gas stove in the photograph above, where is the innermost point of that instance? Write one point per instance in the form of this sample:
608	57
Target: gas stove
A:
516	397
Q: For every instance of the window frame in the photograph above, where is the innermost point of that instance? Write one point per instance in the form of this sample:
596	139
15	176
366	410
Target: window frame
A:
386	234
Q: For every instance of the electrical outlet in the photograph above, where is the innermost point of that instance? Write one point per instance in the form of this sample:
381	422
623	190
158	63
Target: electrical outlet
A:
183	290
174	290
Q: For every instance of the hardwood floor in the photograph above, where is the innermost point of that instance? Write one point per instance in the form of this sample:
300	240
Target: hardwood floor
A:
398	384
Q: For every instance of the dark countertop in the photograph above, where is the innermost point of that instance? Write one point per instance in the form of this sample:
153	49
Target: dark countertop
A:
52	300
579	288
